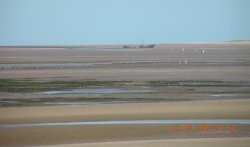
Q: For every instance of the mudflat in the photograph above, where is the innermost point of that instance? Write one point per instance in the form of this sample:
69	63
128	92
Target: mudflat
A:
213	61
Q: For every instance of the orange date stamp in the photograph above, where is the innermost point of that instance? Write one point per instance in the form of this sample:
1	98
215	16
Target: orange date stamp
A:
202	128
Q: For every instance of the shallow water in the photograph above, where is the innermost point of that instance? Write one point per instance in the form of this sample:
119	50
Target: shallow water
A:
216	48
187	121
210	62
55	64
214	62
99	91
73	103
44	57
229	95
6	101
83	103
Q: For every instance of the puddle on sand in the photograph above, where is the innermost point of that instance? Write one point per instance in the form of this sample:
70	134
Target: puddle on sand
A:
98	91
84	103
8	101
56	64
226	62
230	95
73	103
187	121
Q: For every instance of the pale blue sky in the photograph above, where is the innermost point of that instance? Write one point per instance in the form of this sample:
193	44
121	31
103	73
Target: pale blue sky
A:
60	22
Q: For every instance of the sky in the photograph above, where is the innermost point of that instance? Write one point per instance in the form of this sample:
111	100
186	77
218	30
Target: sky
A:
75	22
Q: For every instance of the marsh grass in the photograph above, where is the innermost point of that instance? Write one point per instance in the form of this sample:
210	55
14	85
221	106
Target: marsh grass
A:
198	84
45	101
165	87
31	85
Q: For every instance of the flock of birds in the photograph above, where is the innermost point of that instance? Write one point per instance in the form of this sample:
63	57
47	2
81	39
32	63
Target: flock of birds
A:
202	51
184	61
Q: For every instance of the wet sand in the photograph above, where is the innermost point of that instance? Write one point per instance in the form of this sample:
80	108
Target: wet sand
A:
45	135
207	142
59	135
204	142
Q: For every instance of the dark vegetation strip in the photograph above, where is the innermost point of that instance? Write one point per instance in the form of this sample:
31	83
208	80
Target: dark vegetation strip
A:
29	85
198	84
32	85
7	102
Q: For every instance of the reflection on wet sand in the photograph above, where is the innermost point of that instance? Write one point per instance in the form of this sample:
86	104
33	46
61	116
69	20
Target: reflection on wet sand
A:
134	122
99	91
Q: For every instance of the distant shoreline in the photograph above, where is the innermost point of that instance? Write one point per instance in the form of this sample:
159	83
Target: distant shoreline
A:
120	46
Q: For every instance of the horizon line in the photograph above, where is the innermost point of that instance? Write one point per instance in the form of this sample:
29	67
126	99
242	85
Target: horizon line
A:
119	44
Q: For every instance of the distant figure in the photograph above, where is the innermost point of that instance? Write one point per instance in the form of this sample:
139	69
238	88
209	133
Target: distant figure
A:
185	61
183	49
203	51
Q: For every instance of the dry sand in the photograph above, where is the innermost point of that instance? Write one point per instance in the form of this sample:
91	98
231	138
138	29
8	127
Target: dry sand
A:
214	109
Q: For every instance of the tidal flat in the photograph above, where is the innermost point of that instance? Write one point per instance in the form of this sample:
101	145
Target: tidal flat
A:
170	82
